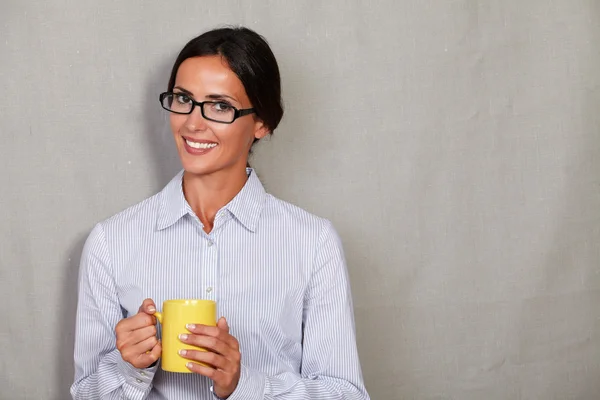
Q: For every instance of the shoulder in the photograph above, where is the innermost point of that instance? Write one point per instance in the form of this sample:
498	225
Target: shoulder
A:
291	216
140	216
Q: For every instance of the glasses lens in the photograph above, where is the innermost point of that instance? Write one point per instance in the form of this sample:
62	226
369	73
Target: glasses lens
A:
177	102
219	111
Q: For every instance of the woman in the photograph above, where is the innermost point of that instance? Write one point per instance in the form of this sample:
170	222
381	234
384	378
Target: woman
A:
276	272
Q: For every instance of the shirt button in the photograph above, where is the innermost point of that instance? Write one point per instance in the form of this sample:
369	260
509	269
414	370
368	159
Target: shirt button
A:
210	243
142	373
139	380
209	289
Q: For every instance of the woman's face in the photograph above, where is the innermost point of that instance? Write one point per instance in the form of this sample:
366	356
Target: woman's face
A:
206	146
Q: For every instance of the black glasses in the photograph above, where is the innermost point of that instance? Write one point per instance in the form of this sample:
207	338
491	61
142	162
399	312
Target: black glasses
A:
217	111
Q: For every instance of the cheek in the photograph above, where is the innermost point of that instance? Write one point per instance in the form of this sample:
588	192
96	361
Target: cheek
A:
235	138
176	121
247	133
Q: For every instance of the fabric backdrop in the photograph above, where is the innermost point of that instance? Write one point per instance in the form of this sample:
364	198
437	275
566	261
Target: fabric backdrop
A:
454	144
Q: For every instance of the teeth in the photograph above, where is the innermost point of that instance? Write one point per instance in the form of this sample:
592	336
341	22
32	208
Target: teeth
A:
197	145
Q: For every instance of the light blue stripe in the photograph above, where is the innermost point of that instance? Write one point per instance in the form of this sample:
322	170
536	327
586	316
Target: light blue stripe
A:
278	275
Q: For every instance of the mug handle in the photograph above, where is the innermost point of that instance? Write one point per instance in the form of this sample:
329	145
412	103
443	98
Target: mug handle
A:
158	316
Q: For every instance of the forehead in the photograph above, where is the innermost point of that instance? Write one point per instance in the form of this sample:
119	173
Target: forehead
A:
209	75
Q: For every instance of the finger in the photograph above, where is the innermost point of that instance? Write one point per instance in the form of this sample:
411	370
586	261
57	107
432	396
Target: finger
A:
150	357
131	338
147	307
222	324
138	321
200	329
156	351
144	346
213	344
221	379
134	354
233	343
216	332
212	359
128	344
142	334
209	372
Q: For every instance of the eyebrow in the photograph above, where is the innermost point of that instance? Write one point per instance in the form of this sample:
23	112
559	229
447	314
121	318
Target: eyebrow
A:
214	96
184	91
217	96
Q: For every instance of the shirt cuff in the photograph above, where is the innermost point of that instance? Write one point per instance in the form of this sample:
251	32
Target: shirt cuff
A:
138	382
251	386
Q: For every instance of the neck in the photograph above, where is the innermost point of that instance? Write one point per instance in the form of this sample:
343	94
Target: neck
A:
207	194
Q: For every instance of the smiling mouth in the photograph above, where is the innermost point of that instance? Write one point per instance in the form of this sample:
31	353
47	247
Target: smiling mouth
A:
200	145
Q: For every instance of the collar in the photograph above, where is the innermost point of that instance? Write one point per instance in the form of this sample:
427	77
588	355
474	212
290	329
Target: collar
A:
172	205
246	206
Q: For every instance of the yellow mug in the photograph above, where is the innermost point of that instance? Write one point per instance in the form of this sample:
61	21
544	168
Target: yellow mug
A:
175	315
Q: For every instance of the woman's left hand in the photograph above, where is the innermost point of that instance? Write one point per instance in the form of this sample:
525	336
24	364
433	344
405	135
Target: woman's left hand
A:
222	357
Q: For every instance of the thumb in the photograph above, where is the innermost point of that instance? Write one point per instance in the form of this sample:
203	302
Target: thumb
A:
148	307
223	325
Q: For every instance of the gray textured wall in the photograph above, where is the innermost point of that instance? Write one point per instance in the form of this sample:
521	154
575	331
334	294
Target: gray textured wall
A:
454	144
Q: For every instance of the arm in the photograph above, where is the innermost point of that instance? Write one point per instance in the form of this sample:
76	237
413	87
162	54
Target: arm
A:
330	364
100	372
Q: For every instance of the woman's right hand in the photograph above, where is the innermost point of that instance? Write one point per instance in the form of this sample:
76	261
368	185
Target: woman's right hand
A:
136	337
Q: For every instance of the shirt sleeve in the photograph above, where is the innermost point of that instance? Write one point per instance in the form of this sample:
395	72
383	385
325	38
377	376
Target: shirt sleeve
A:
100	372
330	364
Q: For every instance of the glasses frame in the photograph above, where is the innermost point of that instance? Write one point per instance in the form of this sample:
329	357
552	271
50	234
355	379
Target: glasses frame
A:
236	114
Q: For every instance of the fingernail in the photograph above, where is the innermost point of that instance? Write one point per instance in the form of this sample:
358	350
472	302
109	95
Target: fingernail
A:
183	336
190	326
189	365
182	352
151	309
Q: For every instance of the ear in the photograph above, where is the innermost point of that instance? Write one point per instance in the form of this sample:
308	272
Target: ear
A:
260	130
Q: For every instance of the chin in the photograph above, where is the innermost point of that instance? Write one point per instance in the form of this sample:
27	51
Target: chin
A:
195	168
206	164
197	165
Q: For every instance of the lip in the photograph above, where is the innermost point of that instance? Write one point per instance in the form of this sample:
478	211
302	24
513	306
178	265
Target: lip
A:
197	152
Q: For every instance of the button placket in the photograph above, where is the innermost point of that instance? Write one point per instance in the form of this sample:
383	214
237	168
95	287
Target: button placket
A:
211	268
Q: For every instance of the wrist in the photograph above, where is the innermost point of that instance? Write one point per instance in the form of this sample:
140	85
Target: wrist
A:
253	385
212	390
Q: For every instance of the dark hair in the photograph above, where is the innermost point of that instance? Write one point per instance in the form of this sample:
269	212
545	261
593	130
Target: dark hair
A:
249	56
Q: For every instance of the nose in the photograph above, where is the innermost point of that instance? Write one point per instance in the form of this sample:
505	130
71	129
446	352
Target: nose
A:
195	121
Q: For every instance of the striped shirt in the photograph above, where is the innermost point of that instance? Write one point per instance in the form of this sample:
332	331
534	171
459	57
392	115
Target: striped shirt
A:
277	273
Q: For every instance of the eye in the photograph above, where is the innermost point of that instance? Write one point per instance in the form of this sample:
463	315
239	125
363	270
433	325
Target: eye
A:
182	98
222	107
